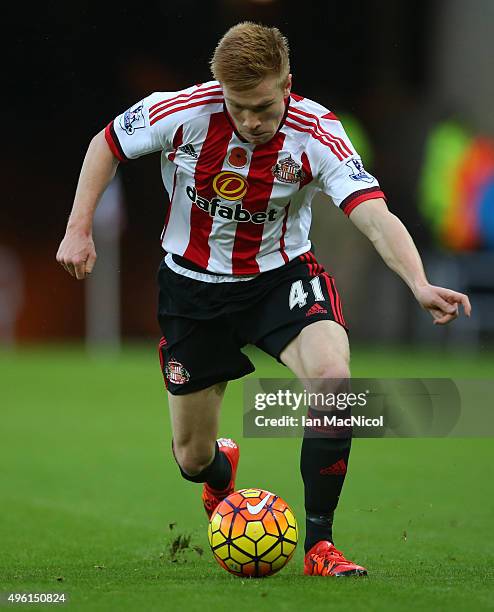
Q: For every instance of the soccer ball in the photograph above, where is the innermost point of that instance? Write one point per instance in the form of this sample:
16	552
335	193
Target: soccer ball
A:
253	533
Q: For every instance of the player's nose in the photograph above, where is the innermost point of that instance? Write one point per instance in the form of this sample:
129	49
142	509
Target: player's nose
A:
251	122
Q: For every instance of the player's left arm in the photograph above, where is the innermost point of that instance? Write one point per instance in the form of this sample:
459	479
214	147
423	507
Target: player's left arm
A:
395	245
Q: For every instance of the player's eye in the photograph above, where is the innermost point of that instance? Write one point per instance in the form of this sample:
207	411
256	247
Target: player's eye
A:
264	107
257	109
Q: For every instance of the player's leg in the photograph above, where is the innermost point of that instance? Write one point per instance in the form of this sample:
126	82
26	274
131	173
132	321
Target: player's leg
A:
319	356
199	455
194	420
308	334
320	351
197	356
195	379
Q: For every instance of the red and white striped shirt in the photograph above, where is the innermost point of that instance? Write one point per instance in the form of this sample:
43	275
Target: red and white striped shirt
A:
237	208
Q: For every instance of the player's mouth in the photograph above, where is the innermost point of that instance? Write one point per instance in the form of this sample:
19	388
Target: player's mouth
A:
258	137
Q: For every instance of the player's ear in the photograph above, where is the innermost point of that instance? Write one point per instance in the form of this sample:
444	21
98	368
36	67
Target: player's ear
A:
287	87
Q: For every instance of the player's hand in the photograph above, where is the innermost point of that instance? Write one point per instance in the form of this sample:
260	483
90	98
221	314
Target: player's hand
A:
77	254
442	303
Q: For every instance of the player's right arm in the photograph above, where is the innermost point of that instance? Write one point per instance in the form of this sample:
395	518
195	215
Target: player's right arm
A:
147	127
76	252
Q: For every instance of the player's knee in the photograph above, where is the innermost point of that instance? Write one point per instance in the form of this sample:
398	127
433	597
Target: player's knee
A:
193	459
328	377
327	371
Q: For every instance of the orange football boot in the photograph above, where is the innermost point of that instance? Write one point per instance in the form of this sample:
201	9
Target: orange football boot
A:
211	497
324	560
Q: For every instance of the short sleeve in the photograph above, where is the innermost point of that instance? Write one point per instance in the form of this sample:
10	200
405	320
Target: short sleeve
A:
142	129
341	174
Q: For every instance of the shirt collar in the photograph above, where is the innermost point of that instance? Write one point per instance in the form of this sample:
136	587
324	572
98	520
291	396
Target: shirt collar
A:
241	138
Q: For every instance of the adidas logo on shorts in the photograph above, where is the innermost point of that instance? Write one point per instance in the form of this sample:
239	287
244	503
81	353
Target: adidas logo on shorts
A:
316	309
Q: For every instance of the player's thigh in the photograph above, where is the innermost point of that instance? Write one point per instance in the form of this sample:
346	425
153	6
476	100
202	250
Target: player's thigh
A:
320	350
300	322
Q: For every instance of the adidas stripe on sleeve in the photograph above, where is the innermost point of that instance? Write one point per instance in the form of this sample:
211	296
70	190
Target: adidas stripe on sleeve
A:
343	176
150	125
338	167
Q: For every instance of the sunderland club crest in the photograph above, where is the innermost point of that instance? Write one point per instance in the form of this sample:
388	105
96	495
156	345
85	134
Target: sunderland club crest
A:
176	373
288	171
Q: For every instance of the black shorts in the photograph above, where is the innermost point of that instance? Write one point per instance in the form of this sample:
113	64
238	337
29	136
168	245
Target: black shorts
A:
205	325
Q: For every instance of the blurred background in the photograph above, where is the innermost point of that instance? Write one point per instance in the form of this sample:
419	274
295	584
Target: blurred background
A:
411	80
89	491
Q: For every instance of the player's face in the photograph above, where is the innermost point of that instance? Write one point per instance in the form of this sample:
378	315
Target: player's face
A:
257	113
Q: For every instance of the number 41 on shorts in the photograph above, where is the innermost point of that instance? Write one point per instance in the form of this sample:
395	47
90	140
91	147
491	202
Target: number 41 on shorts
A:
298	296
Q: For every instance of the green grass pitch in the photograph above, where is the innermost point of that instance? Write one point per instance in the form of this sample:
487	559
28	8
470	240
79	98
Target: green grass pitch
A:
88	490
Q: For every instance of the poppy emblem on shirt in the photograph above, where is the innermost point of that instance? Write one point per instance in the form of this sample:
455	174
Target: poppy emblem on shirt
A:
230	185
288	171
238	157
